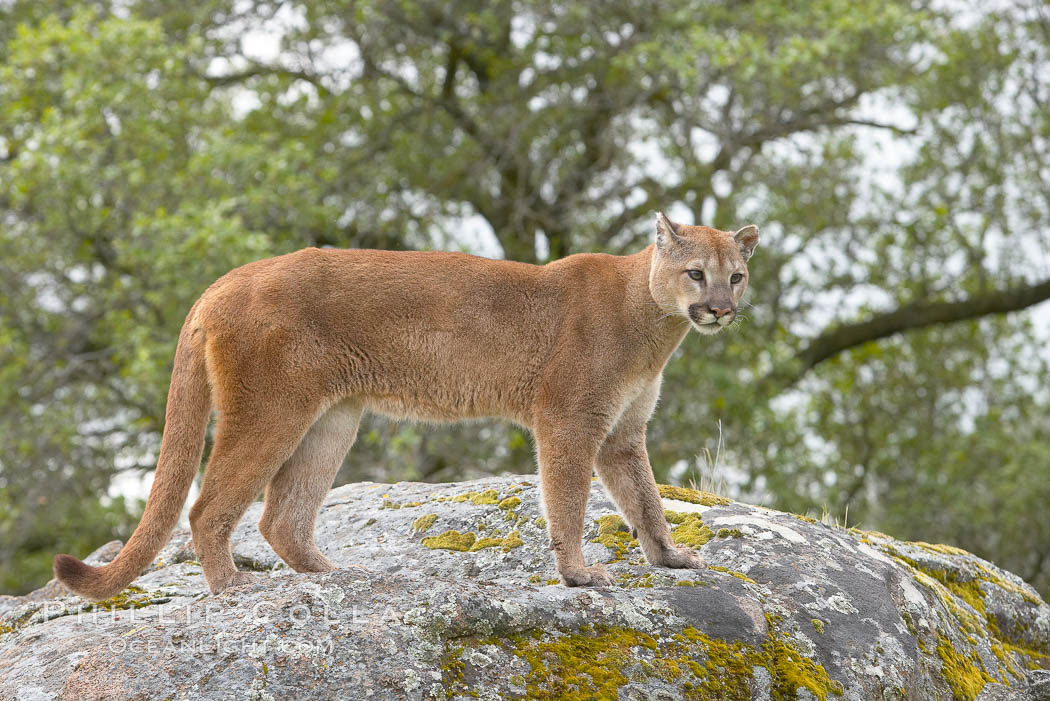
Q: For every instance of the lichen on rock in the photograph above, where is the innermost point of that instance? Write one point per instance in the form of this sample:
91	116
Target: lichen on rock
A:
787	608
450	540
423	523
689	529
693	496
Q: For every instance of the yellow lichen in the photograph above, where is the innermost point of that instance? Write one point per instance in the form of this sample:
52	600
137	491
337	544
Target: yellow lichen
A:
909	623
450	540
489	496
965	675
388	504
732	573
667	670
963	598
586	665
482	543
792	671
510	503
511	541
940	548
595	662
614	534
692	496
818	625
989	575
690	530
124	600
728	667
867	536
629	580
423	523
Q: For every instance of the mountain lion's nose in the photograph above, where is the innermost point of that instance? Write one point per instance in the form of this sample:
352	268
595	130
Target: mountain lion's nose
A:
719	312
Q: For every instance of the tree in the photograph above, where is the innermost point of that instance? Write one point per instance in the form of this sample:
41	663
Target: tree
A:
893	154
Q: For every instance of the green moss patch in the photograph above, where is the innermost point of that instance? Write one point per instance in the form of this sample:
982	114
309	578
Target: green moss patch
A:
423	523
130	598
15	624
489	496
596	662
689	529
731	573
940	548
951	588
388	504
511	541
510	503
692	496
965	674
630	580
614	534
792	671
729	533
450	540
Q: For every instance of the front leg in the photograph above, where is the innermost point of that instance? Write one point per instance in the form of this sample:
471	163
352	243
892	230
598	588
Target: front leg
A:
624	469
566	460
623	466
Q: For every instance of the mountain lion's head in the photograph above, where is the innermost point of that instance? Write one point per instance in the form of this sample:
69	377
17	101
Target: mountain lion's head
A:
699	272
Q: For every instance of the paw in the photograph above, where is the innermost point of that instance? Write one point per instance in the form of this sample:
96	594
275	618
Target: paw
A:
679	557
594	576
319	563
239	579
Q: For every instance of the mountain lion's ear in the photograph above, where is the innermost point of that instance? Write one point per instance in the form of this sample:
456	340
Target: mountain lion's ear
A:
747	239
666	231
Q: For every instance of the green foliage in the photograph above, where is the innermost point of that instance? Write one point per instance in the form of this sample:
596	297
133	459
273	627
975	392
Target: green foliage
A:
892	153
76	522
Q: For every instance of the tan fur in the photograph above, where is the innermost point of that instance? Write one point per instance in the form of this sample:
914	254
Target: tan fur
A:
291	350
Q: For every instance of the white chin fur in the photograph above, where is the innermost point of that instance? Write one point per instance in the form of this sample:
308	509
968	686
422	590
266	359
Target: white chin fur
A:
707	329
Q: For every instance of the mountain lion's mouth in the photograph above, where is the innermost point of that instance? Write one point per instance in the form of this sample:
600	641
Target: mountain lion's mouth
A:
708	328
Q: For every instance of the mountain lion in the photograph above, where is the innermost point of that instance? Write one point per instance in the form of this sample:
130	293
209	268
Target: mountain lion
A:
292	350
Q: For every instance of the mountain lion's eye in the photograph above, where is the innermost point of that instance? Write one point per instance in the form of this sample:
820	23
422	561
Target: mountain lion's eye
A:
736	277
697	275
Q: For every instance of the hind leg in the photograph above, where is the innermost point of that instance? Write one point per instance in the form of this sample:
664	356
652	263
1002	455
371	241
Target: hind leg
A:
295	493
250	446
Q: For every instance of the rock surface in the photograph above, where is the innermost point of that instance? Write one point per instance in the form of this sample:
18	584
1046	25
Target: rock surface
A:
448	591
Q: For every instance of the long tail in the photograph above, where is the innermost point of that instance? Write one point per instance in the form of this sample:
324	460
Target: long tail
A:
188	411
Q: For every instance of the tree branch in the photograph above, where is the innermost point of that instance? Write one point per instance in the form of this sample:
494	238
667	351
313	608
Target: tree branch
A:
916	315
256	69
